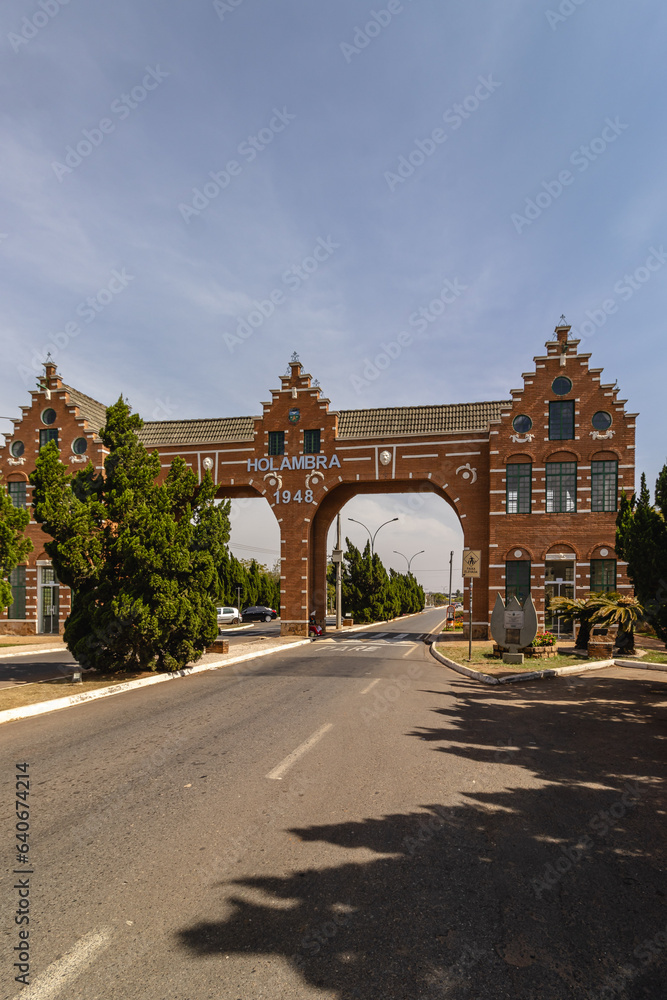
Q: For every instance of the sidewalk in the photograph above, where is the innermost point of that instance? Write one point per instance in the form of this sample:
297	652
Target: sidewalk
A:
9	642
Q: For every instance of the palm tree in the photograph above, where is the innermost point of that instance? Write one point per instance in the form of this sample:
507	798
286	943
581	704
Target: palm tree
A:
575	610
615	609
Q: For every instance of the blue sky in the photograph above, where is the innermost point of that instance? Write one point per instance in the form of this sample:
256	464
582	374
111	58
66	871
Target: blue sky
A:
305	112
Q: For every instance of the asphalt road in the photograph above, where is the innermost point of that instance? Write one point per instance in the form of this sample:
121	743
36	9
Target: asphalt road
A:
347	819
29	664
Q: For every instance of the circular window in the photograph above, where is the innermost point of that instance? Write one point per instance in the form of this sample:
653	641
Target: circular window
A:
79	446
17	448
522	424
49	417
561	385
601	420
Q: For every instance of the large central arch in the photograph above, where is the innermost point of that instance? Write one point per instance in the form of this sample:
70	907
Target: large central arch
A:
333	503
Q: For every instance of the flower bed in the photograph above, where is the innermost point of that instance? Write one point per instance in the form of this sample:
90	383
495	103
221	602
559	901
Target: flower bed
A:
544	639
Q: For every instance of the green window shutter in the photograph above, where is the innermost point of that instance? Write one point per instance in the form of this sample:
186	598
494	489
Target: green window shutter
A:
561	420
17	581
311	442
561	487
518	478
603	576
17	493
604	486
517	579
48	434
276	442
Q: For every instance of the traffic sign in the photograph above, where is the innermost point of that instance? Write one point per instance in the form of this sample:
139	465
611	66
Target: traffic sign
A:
472	561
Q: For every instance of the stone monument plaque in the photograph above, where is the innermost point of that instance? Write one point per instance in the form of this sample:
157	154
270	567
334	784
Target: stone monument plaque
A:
514	619
513	627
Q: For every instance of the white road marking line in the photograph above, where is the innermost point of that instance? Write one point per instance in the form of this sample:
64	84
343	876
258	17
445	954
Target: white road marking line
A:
60	974
401	635
371	685
277	773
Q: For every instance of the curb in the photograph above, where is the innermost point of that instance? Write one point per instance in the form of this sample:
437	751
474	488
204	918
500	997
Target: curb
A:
42	708
640	666
534	675
35	650
356	628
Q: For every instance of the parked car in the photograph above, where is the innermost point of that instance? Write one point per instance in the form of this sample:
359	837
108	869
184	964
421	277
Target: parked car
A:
458	607
258	613
228	616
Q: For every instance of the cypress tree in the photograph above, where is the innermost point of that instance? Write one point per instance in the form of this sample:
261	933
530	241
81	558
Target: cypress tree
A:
641	539
137	554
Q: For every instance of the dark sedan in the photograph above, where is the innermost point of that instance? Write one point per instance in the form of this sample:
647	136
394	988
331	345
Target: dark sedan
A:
258	614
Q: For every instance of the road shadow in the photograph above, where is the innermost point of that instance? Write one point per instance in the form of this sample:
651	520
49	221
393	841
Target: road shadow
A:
546	883
21	672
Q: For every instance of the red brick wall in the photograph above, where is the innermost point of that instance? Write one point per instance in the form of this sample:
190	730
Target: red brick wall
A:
585	532
70	425
466	469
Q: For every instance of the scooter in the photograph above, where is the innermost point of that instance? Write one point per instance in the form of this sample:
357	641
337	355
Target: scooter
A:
314	628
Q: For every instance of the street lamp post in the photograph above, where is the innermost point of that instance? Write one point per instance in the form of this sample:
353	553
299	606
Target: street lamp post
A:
409	561
372	537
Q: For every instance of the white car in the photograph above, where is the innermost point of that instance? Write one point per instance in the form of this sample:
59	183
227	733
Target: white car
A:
228	616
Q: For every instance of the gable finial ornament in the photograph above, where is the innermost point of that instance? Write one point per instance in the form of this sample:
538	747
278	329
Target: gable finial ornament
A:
295	359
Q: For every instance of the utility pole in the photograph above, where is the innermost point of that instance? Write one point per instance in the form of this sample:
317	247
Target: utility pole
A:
339	578
451	557
238	598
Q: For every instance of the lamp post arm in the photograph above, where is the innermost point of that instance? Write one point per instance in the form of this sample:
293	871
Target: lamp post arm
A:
390	521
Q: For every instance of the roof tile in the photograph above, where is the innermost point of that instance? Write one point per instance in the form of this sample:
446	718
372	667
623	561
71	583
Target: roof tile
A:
222	430
395	421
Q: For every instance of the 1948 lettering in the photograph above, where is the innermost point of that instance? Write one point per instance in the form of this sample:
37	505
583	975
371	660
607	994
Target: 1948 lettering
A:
285	496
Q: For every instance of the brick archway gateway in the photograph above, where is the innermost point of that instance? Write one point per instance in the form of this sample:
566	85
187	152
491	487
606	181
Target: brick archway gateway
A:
334	501
307	461
327	457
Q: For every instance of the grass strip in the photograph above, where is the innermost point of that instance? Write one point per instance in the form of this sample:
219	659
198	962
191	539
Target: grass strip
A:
20	695
483	659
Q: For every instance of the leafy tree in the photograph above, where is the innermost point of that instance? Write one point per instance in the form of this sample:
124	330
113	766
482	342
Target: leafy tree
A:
138	555
641	539
258	585
14	548
356	584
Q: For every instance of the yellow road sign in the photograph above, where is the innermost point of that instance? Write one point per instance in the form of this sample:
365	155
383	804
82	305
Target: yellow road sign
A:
472	561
